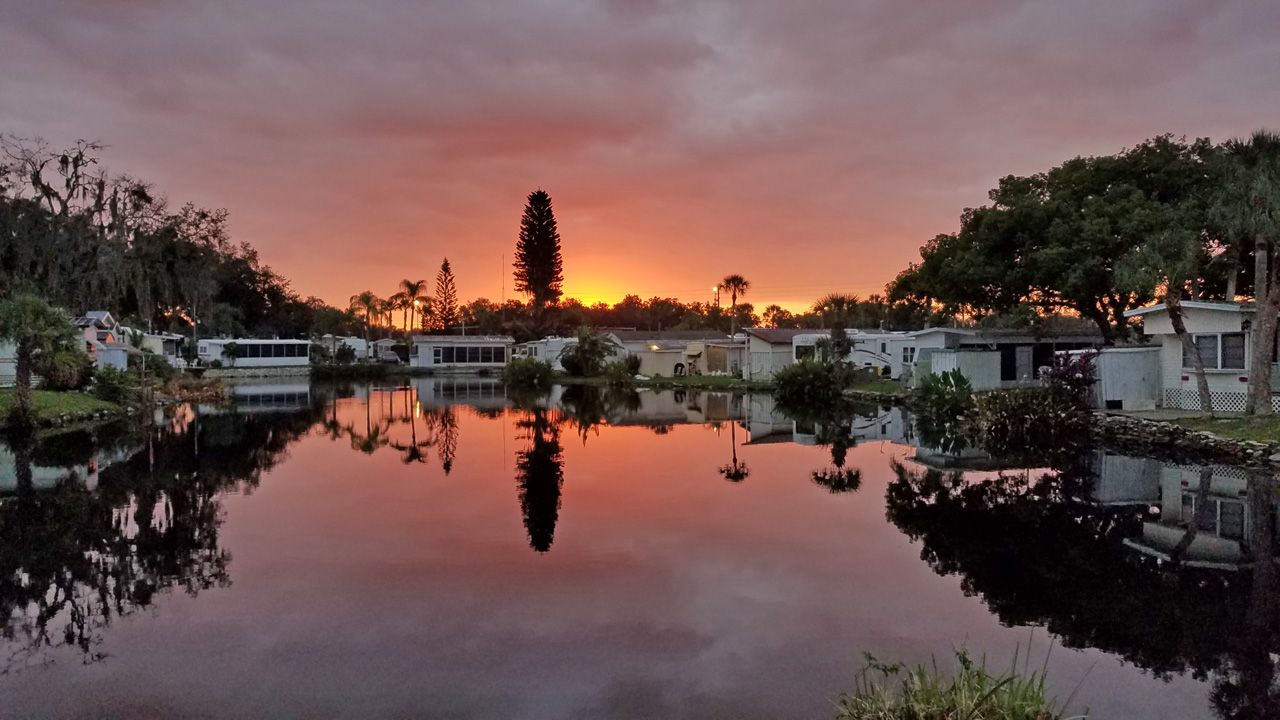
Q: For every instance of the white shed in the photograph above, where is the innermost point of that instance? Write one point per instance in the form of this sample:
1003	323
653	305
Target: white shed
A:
1128	377
980	367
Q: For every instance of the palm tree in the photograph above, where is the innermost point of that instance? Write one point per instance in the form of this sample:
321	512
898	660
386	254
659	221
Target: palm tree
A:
735	470
1248	205
37	329
736	285
836	308
366	304
412	290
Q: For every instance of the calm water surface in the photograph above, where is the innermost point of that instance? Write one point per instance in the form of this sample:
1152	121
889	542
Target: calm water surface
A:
436	550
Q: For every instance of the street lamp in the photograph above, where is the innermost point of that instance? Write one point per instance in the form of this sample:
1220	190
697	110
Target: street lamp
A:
716	290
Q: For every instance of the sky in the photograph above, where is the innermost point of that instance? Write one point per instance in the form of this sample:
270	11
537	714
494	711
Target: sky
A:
812	147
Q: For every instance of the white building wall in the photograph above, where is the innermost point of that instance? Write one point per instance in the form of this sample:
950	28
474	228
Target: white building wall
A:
212	349
980	367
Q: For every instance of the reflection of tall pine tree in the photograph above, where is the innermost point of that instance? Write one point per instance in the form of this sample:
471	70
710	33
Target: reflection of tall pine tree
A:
540	475
444	422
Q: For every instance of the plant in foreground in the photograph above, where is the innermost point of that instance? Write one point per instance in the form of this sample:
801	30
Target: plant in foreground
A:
893	691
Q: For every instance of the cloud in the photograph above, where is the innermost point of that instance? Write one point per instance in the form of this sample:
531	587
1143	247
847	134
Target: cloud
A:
812	147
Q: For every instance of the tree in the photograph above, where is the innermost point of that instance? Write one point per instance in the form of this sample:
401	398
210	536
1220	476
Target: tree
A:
365	304
446	300
587	356
1248	205
736	285
36	329
414	297
538	265
775	316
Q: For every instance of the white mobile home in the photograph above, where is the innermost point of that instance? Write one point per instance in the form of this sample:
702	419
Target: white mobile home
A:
460	353
547	350
1220	332
676	352
254	353
769	350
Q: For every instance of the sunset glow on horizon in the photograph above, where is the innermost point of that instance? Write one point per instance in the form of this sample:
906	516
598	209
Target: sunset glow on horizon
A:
811	150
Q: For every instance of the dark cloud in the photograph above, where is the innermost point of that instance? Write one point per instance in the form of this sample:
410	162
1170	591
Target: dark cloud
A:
810	146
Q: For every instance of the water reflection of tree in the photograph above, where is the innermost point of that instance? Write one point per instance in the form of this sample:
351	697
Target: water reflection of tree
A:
72	559
443	425
832	427
735	470
1038	551
589	406
540	477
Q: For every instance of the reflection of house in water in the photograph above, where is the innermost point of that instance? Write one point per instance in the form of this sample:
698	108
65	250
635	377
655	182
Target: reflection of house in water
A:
265	397
681	407
44	477
478	392
1199	527
767	423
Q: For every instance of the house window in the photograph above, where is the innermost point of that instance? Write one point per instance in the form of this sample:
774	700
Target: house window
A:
908	355
805	352
1218	351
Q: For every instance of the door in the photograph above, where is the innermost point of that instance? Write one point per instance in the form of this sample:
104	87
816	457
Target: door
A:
1024	363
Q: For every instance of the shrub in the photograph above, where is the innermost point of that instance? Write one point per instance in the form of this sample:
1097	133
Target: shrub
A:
944	397
1030	423
320	354
113	385
157	366
1072	378
344	355
805	383
64	369
619	373
528	374
632	363
588	356
883	691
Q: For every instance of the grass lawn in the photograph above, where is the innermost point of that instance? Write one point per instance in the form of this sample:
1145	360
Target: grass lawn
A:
1236	428
698	381
879	385
50	404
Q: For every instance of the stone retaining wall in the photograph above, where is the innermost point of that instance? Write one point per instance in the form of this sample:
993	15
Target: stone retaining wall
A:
1129	433
258	372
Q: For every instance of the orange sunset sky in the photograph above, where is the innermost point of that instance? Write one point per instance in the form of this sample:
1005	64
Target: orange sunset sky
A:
812	147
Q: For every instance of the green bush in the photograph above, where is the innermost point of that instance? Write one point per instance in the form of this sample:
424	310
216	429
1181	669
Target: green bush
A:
113	385
528	374
632	363
805	383
319	354
588	356
1030	423
619	373
157	367
344	355
64	369
896	692
944	397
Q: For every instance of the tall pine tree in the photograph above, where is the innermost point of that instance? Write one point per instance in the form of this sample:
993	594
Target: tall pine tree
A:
446	299
538	266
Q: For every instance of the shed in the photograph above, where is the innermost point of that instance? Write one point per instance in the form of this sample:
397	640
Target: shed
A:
1128	377
980	367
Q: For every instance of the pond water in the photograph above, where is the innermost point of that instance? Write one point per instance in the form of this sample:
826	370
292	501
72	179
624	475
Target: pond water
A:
437	549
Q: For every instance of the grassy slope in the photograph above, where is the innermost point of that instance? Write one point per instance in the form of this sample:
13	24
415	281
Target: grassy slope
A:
879	385
51	404
1236	428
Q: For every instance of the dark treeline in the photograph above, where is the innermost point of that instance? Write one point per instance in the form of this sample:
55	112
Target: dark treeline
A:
84	239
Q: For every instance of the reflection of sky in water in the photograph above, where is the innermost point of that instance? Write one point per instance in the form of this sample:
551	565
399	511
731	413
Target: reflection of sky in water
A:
363	586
